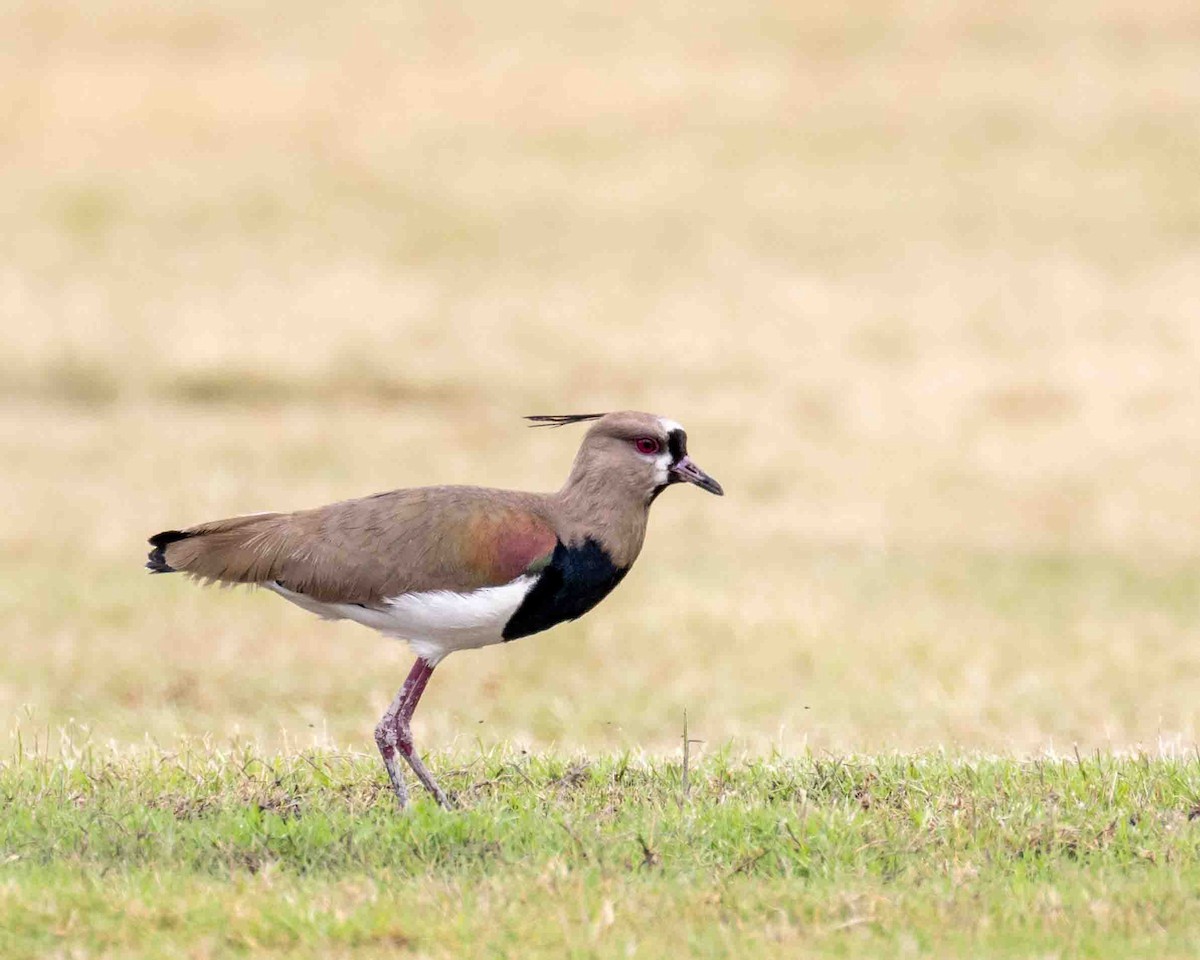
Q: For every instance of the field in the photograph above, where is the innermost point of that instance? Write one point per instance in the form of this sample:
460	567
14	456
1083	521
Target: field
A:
922	281
207	853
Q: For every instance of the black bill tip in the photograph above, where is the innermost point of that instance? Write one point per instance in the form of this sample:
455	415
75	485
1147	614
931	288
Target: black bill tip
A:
686	471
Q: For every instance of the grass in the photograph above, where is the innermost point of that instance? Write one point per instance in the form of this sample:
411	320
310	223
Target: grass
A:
920	279
223	852
921	282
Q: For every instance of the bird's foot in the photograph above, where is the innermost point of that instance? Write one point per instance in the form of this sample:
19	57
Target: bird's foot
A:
423	774
399	789
430	784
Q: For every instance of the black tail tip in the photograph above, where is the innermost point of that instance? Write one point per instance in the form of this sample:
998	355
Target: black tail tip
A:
156	562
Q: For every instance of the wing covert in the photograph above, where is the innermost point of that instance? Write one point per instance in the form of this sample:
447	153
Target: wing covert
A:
364	551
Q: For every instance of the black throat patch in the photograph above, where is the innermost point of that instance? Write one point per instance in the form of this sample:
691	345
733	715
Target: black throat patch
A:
576	580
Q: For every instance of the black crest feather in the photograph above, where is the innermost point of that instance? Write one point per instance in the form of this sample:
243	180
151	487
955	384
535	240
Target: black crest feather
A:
561	420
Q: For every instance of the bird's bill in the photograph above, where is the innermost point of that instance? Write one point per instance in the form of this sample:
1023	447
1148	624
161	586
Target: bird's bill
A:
686	471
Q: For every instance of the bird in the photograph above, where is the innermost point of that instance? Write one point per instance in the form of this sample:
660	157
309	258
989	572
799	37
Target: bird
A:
450	568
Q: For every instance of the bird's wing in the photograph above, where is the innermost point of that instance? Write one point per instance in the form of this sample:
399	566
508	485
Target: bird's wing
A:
368	550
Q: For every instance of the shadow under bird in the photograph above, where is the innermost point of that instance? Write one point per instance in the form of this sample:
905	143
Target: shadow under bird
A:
454	568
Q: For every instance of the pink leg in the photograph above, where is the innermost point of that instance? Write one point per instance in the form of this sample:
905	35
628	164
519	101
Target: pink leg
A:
393	734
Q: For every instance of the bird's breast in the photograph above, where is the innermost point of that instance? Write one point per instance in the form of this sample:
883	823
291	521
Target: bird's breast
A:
577	578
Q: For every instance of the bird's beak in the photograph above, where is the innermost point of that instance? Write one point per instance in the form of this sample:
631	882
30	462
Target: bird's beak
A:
685	471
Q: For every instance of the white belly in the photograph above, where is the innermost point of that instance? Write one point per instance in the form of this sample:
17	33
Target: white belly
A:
435	623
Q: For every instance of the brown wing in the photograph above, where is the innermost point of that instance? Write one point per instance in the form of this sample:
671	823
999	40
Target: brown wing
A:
362	551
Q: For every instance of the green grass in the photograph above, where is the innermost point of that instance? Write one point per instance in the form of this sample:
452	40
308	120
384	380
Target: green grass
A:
921	280
215	853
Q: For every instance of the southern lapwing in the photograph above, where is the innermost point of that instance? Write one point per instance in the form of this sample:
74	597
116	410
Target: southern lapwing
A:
453	568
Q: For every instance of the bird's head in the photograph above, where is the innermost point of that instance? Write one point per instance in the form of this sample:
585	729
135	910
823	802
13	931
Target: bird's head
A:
639	451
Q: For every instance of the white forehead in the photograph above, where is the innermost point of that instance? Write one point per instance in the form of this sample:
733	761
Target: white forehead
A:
669	425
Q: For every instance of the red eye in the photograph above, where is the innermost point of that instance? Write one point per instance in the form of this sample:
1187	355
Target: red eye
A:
646	445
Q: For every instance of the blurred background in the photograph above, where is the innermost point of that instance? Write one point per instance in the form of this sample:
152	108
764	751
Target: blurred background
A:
922	280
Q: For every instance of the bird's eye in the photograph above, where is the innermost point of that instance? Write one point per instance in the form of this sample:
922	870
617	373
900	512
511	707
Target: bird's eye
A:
646	445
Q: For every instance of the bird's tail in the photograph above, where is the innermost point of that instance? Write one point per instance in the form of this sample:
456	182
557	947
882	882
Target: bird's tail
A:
237	550
157	560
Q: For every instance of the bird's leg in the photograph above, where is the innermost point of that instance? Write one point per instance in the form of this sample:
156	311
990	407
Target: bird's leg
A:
393	734
385	739
421	672
388	730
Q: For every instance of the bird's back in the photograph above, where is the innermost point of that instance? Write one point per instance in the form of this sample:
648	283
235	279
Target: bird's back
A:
368	550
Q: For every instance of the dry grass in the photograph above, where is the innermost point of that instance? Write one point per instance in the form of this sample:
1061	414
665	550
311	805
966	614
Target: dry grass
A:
922	281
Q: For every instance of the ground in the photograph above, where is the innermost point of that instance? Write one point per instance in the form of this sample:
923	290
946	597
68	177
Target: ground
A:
225	853
920	279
